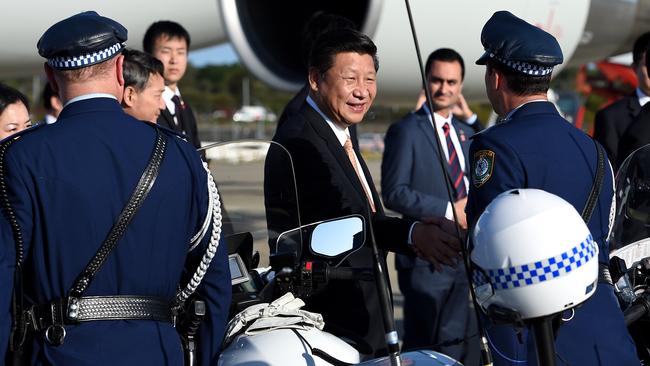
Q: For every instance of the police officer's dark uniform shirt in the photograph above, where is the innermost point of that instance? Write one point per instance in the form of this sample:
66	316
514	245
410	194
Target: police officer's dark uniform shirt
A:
67	183
535	147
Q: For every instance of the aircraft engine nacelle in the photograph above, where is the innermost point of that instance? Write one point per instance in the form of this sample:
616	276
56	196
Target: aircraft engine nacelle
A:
267	34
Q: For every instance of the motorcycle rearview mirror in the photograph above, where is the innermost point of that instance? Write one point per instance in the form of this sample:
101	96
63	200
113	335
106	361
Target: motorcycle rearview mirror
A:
339	237
330	241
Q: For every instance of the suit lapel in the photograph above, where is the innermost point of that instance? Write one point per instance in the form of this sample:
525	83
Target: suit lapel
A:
633	106
427	128
325	132
166	119
188	118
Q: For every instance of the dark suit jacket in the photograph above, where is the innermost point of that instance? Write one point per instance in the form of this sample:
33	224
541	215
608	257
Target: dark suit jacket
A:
328	187
189	124
476	127
294	105
635	136
412	180
612	121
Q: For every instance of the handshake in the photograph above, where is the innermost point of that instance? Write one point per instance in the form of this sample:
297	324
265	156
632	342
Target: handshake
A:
435	240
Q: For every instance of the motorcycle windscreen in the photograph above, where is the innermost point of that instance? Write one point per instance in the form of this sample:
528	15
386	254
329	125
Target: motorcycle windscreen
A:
239	170
289	215
281	200
630	236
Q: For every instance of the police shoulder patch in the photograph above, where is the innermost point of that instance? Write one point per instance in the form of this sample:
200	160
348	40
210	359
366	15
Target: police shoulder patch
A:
483	165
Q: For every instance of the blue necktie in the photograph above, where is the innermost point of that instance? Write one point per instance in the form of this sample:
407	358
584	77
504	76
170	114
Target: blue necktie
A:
453	164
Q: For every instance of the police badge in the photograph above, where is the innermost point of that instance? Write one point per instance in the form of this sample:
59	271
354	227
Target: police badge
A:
483	164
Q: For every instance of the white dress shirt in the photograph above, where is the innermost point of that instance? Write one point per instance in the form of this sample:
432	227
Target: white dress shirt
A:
643	98
167	96
89	96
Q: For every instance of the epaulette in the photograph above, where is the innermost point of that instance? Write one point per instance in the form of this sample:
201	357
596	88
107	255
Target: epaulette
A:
482	131
169	132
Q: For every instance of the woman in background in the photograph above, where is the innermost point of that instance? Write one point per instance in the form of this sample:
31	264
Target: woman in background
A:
14	111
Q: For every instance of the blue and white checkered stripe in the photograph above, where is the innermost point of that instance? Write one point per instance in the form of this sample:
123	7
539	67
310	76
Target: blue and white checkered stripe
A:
540	271
525	67
64	63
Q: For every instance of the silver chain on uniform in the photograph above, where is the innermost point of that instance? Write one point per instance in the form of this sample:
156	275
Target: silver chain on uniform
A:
214	212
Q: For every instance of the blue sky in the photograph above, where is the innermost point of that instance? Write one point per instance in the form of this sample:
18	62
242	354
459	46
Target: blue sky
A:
216	55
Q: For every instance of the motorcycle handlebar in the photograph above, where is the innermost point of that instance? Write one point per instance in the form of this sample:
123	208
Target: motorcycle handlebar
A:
638	310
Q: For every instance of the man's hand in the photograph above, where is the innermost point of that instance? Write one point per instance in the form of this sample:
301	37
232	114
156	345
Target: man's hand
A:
461	109
434	239
422	98
459	206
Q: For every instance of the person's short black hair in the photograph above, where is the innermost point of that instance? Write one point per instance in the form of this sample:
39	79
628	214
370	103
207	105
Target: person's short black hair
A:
331	43
163	28
519	83
640	46
46	96
319	23
446	55
138	66
9	95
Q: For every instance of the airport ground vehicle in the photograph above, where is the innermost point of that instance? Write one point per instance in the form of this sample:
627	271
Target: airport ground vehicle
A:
286	336
253	113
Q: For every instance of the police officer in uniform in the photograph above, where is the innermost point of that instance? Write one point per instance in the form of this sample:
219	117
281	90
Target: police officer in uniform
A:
64	186
534	147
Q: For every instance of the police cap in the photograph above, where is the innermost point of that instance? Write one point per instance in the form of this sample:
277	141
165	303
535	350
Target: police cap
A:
82	40
519	45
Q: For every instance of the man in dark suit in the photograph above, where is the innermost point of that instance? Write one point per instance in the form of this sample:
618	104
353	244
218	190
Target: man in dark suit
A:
637	133
64	186
612	121
333	180
436	304
170	43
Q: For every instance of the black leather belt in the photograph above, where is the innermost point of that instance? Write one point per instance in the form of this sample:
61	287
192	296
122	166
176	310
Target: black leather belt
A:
73	310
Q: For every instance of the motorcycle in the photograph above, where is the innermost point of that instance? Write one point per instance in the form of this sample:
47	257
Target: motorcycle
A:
266	323
630	247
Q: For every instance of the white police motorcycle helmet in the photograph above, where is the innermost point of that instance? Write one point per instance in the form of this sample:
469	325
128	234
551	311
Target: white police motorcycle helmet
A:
533	255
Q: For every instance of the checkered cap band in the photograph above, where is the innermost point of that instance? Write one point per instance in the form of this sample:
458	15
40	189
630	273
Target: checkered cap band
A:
540	271
65	63
524	67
